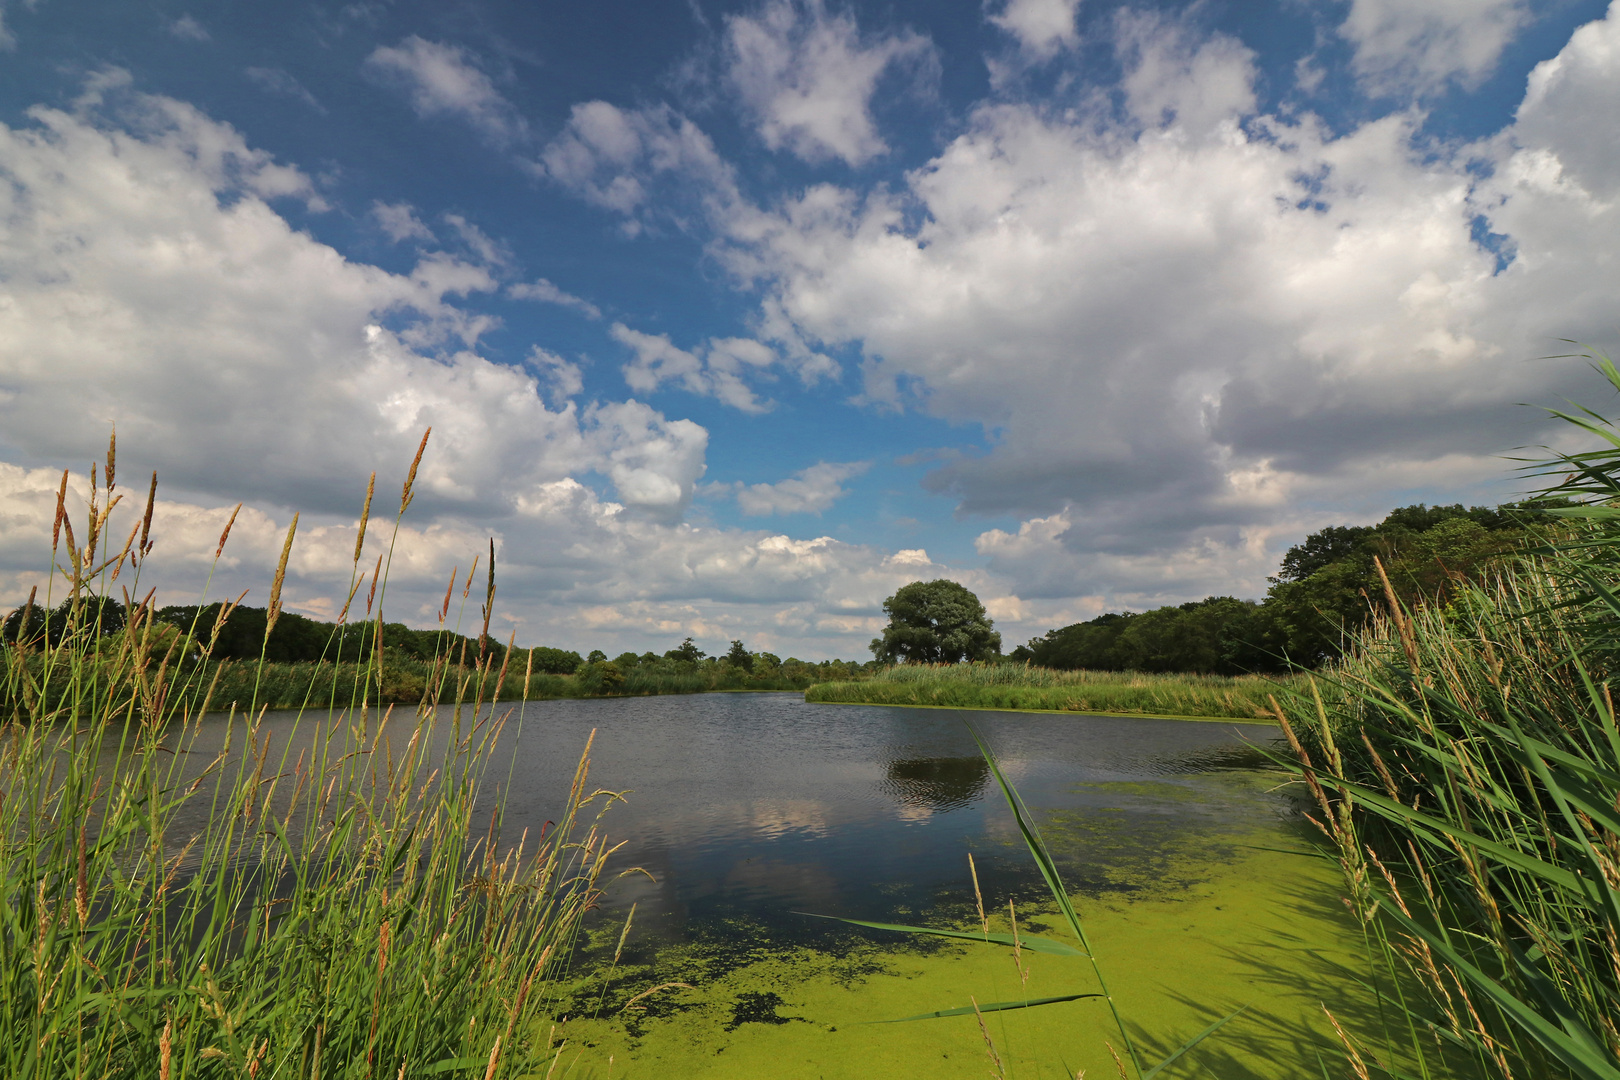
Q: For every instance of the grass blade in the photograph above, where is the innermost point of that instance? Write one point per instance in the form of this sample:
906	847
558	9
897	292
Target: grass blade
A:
1033	944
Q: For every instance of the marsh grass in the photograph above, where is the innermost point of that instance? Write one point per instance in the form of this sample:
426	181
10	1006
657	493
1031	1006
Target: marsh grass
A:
183	896
1019	686
1466	771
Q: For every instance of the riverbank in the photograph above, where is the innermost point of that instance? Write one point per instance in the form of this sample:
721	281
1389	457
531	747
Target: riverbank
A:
1032	689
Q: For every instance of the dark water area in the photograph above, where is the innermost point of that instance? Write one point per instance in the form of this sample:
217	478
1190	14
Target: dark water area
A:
747	808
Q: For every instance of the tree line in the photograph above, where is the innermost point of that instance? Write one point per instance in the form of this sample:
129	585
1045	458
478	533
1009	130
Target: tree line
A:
299	639
1326	588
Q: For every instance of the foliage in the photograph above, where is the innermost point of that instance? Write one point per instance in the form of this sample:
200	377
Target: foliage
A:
686	652
1018	686
739	657
1466	775
935	622
1319	599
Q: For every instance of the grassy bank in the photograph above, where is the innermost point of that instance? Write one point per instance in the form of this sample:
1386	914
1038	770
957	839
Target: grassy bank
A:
400	681
1017	686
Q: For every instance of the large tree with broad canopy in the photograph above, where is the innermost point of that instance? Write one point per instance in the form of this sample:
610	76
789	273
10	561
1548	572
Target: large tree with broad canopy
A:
935	622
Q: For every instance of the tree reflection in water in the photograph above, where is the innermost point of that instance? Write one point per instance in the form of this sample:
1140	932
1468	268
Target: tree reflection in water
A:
937	784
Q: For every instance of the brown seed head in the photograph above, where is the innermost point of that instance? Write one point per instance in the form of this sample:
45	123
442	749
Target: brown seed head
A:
410	477
146	521
61	512
274	611
226	532
112	458
365	515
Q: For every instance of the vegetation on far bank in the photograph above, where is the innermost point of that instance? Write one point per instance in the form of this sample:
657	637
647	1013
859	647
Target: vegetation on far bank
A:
1019	686
1324	593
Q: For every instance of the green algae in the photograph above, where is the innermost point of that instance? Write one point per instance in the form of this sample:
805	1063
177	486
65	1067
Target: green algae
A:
1218	918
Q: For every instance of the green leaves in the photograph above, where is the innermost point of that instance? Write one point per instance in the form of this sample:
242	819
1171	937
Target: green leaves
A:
1027	941
997	1006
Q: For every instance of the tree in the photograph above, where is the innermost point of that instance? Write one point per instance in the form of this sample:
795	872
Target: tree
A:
935	622
740	657
687	652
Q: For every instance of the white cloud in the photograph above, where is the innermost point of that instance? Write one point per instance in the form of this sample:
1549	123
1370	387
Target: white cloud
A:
187	28
400	222
641	163
445	80
806	77
808	491
565	376
561	568
277	81
545	292
145	280
1172	78
1406	46
717	373
1041	27
489	251
1178	325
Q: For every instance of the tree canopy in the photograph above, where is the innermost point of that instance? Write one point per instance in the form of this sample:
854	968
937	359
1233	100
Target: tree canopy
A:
935	622
1326	588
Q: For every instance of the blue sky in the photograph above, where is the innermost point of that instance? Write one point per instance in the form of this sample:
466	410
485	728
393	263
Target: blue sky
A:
731	318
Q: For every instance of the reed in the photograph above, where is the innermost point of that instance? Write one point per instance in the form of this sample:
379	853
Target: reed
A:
1465	772
185	897
1019	686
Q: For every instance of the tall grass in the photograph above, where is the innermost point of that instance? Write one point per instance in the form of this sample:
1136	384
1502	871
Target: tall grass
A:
1019	686
183	897
1467	772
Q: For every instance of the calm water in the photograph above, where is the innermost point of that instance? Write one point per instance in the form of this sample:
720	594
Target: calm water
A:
748	807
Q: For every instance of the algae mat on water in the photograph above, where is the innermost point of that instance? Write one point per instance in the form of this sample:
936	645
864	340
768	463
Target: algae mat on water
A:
1264	929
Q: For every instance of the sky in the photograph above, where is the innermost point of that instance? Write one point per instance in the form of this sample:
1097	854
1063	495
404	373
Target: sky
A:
731	318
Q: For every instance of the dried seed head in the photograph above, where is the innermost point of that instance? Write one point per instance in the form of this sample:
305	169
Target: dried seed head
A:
226	532
410	477
274	611
112	458
365	515
372	595
448	589
61	512
146	521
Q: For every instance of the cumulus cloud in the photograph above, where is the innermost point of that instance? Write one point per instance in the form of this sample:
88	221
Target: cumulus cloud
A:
148	281
717	373
641	163
1181	321
545	292
565	378
1404	46
445	80
808	491
806	77
277	81
560	558
187	28
1042	28
400	222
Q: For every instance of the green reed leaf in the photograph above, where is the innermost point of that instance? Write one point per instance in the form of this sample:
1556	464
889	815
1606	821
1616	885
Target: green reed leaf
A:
1027	941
